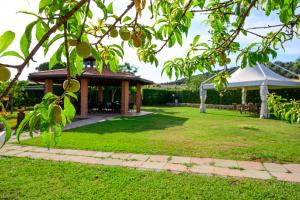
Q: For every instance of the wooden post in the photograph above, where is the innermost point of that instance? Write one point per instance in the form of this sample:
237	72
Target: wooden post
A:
125	97
100	93
138	98
48	86
84	98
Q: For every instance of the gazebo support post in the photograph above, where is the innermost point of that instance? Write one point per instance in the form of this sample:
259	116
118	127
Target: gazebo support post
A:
244	96
100	93
84	98
138	98
48	86
264	101
125	97
203	94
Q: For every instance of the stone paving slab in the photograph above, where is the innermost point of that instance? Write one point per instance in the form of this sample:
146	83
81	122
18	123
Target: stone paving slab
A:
177	164
202	161
222	171
250	165
159	158
202	169
103	154
225	163
256	174
122	156
180	160
138	157
153	165
133	164
110	161
292	177
274	167
175	167
294	168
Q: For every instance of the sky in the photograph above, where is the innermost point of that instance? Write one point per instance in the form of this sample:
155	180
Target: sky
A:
11	20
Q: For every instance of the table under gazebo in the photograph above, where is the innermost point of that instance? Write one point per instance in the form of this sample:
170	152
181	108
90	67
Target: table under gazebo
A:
259	78
92	77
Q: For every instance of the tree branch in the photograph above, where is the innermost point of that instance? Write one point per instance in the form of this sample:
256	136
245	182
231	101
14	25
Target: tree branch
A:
84	20
117	20
67	52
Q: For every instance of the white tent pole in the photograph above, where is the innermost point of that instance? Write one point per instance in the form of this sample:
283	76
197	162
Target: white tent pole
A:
244	95
203	94
264	101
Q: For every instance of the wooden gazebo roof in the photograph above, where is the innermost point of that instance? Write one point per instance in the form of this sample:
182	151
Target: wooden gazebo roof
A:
107	77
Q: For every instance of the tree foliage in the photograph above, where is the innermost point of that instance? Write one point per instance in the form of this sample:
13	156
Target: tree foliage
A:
281	108
128	68
45	66
82	27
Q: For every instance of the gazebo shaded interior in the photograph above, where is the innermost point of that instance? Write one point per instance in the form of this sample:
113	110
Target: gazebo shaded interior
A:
92	77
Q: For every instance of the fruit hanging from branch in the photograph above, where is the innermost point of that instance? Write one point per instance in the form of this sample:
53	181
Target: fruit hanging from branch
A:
83	49
71	86
4	73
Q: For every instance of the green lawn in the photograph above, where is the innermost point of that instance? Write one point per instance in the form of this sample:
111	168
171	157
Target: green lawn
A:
39	179
185	131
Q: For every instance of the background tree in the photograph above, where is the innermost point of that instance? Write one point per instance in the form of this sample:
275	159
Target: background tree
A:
45	66
16	95
128	68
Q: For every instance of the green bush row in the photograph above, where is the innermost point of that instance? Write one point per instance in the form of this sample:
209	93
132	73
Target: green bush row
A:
163	96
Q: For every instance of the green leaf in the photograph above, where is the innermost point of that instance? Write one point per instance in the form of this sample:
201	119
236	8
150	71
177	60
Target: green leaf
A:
7	129
32	124
26	39
6	39
79	64
126	18
196	39
69	109
12	53
71	94
43	4
102	7
110	8
57	134
56	57
47	138
23	124
41	29
73	69
178	37
54	39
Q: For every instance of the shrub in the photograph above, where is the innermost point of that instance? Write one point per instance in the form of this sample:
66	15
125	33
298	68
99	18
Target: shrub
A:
161	96
284	109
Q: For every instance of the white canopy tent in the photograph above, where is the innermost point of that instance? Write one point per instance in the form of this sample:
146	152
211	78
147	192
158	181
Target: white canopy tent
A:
252	78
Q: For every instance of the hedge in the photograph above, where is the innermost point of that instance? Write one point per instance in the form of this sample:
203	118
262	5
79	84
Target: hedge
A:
163	96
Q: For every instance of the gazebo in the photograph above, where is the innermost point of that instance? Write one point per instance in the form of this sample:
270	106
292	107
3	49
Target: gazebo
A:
258	77
92	77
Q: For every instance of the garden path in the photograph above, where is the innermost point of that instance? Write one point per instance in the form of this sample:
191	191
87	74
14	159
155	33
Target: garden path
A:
202	166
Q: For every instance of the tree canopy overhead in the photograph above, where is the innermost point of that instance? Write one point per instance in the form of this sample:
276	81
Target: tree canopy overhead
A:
87	27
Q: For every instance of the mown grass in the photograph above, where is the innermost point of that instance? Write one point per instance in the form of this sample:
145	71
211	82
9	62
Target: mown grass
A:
184	131
39	179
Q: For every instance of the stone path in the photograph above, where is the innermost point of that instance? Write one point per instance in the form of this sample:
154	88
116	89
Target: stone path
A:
203	166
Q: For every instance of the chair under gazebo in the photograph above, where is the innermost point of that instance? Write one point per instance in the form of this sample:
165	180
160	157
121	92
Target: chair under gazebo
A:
92	77
259	78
